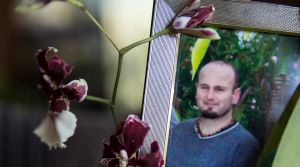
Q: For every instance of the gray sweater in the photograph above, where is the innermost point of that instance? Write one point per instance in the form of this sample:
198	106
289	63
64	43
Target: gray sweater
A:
232	147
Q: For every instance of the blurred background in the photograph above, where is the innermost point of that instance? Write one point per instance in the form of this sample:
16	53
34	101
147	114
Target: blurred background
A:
22	105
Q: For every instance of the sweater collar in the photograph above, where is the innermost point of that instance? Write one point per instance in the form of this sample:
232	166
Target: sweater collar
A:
222	131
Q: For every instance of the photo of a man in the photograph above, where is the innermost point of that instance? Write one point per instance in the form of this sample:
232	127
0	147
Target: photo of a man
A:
215	139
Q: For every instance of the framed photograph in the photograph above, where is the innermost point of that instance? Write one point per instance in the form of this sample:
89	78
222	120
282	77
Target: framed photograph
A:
261	40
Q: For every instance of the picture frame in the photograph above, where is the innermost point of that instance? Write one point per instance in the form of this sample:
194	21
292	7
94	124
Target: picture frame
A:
163	52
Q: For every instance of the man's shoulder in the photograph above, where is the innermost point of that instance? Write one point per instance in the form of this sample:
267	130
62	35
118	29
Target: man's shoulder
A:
246	137
186	123
186	127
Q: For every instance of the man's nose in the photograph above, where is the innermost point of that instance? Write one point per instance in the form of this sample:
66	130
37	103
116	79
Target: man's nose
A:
210	94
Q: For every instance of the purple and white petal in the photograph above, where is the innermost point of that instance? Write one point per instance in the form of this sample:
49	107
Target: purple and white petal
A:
201	33
191	5
59	104
200	15
41	57
53	71
76	90
181	22
193	18
58	69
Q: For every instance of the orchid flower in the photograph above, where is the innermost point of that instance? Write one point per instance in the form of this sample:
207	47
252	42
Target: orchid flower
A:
191	16
59	123
123	145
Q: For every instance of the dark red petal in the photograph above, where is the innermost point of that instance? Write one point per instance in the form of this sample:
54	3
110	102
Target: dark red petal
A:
44	85
76	90
116	143
153	159
59	104
51	72
190	5
108	152
200	15
154	147
58	69
134	133
45	81
136	162
40	56
120	128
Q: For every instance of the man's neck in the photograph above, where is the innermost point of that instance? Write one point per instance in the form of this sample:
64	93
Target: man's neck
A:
209	126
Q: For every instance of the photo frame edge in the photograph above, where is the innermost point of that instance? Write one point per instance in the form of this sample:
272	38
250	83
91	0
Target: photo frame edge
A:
154	80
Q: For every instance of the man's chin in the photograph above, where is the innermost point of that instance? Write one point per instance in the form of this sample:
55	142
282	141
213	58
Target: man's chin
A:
210	115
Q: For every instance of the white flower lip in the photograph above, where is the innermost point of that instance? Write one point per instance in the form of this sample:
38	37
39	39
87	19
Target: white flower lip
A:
56	128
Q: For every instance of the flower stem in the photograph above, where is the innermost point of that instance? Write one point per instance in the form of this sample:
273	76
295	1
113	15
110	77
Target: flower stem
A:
99	100
107	102
114	95
81	6
119	69
113	111
120	63
156	35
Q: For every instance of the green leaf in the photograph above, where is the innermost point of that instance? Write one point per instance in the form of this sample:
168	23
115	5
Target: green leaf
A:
273	141
199	50
289	146
246	35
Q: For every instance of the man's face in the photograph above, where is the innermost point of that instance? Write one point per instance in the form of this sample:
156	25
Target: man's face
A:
215	94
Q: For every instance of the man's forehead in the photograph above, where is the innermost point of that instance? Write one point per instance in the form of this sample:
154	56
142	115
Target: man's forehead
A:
221	74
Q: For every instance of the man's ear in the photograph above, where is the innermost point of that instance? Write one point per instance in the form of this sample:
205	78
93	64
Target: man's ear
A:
236	95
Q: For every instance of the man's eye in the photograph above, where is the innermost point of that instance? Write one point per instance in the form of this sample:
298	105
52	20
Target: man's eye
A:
220	89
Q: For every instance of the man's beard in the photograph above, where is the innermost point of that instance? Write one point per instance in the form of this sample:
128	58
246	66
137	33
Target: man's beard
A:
213	115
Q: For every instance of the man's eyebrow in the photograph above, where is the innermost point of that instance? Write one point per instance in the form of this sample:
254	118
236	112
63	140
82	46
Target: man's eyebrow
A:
202	84
220	86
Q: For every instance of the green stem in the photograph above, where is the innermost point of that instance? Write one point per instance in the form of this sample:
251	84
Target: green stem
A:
156	35
120	63
119	69
81	6
114	96
99	100
112	102
116	121
122	52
